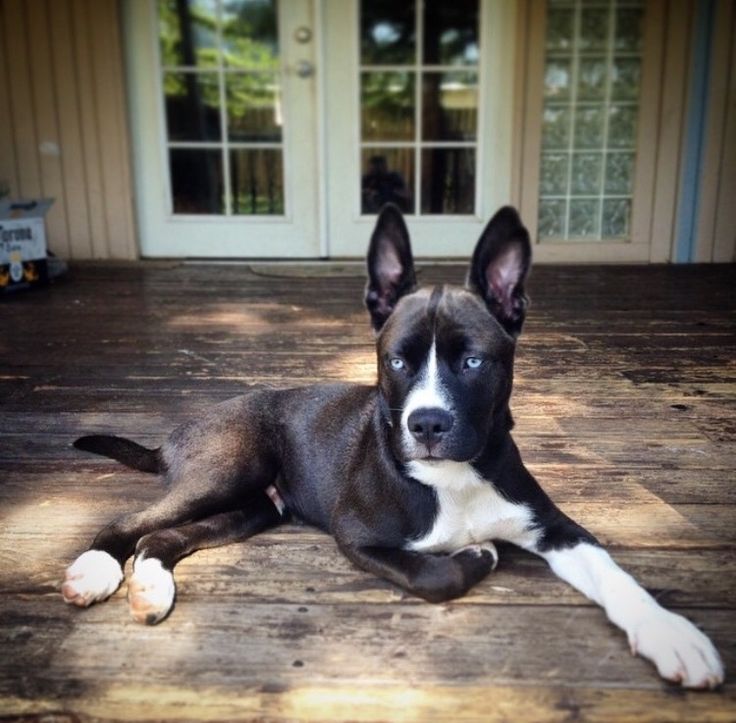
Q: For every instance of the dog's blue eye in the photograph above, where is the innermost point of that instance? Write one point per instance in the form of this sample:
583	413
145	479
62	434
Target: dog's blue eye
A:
473	362
396	363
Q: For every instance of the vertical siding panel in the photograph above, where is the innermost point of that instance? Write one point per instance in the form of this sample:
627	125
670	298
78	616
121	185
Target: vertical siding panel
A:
533	115
111	120
669	153
47	126
650	97
518	100
8	162
712	168
724	242
95	189
19	77
70	131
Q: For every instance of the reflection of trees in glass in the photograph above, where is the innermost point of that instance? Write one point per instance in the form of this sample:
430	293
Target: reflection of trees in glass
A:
252	107
387	32
212	37
387	106
257	181
188	32
249	34
451	32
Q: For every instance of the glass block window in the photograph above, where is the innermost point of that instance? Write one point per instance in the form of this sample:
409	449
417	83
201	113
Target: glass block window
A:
592	77
419	105
221	81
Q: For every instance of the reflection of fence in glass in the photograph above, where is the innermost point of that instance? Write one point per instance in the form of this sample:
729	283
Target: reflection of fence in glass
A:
257	181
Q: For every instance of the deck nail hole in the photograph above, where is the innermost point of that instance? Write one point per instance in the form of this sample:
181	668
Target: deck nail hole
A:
311	589
303	610
298	664
679	407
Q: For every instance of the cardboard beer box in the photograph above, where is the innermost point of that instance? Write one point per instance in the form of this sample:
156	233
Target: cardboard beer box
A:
23	243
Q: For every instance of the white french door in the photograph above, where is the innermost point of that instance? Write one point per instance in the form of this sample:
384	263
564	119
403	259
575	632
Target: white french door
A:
419	112
277	128
223	111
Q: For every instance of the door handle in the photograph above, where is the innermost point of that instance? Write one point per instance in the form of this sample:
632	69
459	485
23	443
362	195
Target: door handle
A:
304	69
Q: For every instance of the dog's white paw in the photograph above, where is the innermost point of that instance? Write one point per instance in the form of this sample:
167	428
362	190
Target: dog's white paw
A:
92	577
679	650
151	591
479	549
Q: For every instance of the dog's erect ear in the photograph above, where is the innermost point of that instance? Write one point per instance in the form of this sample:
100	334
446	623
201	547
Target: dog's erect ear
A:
390	265
499	267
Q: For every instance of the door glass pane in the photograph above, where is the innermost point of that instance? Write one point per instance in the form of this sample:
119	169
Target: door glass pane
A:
448	180
188	33
449	106
253	107
387	32
257	178
592	82
388	175
221	82
250	34
192	106
196	181
450	32
387	102
419	118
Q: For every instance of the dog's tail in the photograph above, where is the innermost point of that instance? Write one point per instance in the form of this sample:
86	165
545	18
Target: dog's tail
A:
123	450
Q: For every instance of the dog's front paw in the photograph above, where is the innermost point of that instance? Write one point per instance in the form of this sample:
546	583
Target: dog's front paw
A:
92	577
680	651
150	591
480	550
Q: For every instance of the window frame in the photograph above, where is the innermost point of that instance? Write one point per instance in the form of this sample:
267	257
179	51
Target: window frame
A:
530	83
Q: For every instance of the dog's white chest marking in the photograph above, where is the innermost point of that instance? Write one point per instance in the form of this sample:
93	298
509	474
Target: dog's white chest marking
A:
470	510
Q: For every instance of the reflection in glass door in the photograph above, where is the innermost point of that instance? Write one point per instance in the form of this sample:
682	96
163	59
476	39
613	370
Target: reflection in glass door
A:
419	105
222	93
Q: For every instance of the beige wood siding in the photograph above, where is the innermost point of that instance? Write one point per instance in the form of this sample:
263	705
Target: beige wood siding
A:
63	122
716	229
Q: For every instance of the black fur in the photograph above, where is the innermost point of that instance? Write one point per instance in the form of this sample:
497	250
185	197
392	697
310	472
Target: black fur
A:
123	450
337	453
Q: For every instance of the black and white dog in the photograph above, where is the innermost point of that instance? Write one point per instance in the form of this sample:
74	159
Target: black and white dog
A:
414	477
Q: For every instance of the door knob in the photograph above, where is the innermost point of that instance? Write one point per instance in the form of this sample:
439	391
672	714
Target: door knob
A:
304	69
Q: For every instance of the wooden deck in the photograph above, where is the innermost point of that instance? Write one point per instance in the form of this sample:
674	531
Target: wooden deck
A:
625	405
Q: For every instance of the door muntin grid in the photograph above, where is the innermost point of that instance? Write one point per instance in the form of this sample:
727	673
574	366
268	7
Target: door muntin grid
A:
419	105
221	81
593	56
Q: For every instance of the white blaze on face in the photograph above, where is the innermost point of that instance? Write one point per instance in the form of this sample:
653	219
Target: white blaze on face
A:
427	393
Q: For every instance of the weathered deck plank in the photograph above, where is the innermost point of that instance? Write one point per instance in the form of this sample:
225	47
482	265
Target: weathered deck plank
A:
626	410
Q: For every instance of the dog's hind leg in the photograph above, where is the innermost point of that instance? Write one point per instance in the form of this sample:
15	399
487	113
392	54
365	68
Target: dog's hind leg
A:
97	573
212	465
151	588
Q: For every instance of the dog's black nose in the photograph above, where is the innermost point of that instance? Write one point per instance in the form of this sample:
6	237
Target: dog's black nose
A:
428	426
